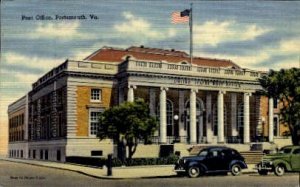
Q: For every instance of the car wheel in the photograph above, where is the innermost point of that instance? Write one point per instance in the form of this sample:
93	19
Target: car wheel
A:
236	170
263	172
279	170
193	171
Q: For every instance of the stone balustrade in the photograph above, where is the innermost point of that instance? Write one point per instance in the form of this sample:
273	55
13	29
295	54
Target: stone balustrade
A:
185	69
150	67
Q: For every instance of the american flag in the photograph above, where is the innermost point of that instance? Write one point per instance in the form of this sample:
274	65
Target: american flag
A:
180	17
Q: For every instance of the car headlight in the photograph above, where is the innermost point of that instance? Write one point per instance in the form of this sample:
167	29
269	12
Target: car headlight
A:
268	162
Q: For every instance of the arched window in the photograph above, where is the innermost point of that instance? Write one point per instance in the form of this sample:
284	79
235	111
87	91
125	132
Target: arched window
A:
215	120
240	119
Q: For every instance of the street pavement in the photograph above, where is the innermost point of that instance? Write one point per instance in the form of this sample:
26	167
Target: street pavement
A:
16	174
117	172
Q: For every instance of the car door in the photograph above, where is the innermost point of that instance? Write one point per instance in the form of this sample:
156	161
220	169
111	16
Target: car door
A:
213	161
225	158
295	159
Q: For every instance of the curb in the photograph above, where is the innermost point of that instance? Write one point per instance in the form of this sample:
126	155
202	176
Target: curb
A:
55	167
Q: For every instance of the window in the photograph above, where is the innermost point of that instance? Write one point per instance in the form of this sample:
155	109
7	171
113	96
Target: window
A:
276	126
58	155
94	122
96	153
33	154
41	154
296	151
275	104
240	119
46	154
96	95
169	118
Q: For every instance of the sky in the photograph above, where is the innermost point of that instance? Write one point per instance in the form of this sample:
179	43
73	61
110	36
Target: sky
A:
259	35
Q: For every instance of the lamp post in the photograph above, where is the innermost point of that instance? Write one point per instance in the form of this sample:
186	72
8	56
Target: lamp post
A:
176	117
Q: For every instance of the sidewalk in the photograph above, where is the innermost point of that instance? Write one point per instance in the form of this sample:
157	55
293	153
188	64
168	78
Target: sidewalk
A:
118	172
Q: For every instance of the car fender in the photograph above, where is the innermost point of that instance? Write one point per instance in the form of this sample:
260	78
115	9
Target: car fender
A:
241	163
194	163
283	162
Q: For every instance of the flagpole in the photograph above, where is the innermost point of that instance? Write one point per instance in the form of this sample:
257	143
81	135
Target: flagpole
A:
191	34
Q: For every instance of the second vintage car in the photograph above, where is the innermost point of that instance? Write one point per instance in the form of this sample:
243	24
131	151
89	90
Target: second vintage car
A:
211	160
286	160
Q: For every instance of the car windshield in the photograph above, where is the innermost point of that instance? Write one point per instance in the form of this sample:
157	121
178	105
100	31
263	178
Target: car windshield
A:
285	150
203	153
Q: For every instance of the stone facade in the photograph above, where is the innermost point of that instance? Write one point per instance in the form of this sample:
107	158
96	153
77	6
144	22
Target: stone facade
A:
208	102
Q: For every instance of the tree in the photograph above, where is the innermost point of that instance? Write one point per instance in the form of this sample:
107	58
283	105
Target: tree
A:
127	124
285	86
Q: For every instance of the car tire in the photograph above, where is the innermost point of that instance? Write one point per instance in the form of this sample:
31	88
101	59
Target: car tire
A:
194	172
236	169
263	172
279	170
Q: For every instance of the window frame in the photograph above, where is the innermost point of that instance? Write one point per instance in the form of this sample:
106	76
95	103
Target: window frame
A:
98	110
92	96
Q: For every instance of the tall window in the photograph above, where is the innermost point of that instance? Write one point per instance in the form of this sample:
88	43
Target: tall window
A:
169	118
240	119
276	125
275	104
96	95
94	122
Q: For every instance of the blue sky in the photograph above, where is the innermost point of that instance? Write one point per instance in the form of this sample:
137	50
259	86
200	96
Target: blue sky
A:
254	34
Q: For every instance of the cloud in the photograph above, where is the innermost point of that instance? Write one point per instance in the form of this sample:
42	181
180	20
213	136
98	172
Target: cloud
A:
138	28
34	62
290	46
215	32
61	30
269	57
245	61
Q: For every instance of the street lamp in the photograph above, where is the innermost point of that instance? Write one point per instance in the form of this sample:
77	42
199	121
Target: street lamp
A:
176	117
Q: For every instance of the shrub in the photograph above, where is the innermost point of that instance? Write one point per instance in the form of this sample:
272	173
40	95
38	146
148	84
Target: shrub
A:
147	161
99	162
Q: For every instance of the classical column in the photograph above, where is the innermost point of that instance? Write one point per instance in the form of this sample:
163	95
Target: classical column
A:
193	116
247	117
221	116
209	132
234	131
130	95
163	116
271	120
182	132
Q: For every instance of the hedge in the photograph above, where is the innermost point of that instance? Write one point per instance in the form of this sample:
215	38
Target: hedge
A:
99	162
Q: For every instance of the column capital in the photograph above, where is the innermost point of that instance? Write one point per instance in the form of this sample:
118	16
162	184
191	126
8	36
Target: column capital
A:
248	93
194	90
222	92
164	88
132	86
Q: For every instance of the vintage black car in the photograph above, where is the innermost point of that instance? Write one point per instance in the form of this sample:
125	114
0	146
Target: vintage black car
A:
211	160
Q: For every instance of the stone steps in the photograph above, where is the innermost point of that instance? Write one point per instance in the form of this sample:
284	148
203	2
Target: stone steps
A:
252	157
